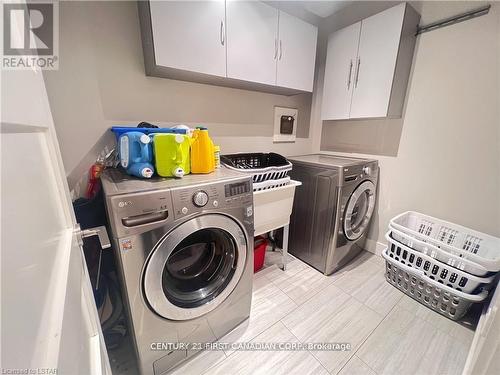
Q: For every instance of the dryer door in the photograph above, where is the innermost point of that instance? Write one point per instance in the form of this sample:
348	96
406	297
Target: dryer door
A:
359	210
195	267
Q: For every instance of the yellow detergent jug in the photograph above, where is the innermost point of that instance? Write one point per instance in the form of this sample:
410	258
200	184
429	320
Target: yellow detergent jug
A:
171	152
202	153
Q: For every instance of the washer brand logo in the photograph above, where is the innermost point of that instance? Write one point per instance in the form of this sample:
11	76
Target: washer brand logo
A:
122	204
30	39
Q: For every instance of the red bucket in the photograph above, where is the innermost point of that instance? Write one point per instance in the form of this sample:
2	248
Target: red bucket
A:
259	252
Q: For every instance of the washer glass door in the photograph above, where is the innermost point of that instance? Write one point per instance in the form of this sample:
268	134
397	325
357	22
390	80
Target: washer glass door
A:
359	210
195	267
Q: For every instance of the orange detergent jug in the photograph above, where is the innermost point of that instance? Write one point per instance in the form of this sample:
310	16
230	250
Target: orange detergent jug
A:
202	152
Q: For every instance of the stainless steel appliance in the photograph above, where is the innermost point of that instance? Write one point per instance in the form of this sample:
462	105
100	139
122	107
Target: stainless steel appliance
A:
332	209
184	249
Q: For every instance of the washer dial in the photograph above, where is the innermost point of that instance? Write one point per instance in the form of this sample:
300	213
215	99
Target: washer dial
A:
200	198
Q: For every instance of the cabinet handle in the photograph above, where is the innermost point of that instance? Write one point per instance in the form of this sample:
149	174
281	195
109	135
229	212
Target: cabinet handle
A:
222	41
357	73
349	76
275	49
281	49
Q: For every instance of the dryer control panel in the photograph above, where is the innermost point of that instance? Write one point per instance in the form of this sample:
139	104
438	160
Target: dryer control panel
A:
354	174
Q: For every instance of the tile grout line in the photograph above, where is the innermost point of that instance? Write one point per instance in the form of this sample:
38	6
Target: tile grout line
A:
367	337
368	307
312	354
311	295
371	333
316	292
375	372
350	357
279	320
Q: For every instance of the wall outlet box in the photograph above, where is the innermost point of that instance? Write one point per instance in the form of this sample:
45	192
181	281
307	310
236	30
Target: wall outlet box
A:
285	124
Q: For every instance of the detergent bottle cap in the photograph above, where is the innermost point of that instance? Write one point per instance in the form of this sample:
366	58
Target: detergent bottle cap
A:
145	139
147	172
202	128
178	172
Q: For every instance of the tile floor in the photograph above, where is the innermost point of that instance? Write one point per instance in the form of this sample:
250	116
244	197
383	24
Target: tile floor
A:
389	333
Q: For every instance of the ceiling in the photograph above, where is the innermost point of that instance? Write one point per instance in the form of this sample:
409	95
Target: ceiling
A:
324	8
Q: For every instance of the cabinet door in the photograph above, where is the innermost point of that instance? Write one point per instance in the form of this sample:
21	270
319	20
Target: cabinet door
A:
252	41
189	35
377	55
296	53
339	72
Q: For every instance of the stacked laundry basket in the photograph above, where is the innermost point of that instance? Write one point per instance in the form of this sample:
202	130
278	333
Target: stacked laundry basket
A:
444	266
268	170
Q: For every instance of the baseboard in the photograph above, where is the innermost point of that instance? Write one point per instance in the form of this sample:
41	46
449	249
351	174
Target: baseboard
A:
374	247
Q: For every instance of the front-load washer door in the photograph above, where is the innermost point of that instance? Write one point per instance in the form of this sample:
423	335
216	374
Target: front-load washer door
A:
195	267
359	210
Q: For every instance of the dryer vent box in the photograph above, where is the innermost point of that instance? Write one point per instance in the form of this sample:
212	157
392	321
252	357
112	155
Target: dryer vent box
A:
285	124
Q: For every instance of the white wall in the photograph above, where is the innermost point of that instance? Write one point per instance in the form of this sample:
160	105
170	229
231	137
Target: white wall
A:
101	82
443	157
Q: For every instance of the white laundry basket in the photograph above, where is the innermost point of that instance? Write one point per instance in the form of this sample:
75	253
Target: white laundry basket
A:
453	240
269	184
262	166
434	269
455	261
436	296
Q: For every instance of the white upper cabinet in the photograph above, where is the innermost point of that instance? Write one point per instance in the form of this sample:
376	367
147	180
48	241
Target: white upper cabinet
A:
377	54
243	44
190	35
340	67
252	43
296	53
376	87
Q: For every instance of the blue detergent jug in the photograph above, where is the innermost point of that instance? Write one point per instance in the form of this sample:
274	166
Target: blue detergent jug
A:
136	154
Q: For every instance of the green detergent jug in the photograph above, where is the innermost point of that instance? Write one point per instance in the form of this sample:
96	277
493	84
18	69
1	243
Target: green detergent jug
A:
172	154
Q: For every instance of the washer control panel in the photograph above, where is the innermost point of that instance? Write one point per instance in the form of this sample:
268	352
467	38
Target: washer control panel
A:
217	196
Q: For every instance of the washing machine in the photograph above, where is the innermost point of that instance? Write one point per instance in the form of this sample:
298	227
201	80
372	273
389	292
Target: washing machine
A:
184	250
332	209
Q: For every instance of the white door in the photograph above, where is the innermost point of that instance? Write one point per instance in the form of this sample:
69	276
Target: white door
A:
296	53
190	35
339	72
377	54
252	41
484	354
49	319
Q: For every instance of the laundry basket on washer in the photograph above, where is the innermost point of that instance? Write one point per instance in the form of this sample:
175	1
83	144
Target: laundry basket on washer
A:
273	190
268	170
